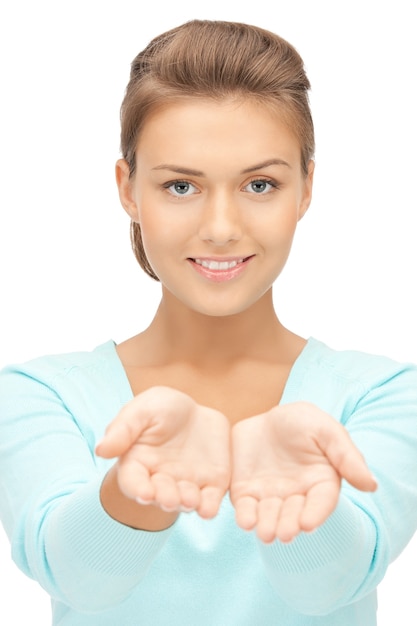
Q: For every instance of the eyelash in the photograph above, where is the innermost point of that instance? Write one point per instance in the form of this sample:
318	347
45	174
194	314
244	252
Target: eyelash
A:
268	181
171	183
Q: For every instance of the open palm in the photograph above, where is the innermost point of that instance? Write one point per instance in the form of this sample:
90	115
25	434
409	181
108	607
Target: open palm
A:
287	468
172	451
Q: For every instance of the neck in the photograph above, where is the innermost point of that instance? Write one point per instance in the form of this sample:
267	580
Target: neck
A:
180	334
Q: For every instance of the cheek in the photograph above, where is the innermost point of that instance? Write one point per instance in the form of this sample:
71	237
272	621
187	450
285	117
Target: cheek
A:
155	224
277	231
155	238
163	236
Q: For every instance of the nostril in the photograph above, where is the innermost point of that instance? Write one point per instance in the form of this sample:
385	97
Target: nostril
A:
220	231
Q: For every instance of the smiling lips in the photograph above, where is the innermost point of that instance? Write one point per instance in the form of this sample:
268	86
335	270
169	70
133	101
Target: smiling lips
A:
220	270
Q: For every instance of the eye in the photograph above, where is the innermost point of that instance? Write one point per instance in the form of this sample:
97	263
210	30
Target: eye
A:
180	188
260	186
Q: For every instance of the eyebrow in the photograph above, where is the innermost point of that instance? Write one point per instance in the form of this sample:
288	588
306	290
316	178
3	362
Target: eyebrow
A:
190	172
268	163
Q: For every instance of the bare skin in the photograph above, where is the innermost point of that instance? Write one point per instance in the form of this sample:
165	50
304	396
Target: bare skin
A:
238	365
287	469
174	441
225	384
209	372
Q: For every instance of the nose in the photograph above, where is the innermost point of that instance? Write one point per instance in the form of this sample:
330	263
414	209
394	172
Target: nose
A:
221	220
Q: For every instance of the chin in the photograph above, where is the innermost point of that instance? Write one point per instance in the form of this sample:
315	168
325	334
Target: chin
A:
216	310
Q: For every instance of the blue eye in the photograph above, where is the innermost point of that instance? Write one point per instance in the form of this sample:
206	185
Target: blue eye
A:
260	186
180	188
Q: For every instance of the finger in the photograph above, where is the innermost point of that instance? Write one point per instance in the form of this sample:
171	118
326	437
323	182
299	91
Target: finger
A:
345	457
123	431
166	492
355	470
134	480
288	525
189	495
246	512
210	500
268	514
320	502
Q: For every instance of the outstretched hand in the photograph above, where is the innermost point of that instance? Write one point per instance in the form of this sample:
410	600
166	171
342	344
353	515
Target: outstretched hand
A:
283	467
173	452
287	468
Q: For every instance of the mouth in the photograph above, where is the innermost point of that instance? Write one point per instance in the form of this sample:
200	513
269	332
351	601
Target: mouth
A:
220	269
217	265
220	264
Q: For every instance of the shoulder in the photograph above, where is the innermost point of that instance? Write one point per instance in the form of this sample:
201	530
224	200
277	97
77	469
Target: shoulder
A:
52	366
74	373
340	381
357	368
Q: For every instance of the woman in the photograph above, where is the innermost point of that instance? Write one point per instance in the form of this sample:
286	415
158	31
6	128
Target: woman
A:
218	420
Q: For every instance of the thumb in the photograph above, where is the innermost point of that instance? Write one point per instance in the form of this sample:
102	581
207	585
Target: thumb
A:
346	458
123	431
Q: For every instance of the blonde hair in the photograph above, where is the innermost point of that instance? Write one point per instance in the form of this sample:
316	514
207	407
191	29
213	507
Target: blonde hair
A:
215	60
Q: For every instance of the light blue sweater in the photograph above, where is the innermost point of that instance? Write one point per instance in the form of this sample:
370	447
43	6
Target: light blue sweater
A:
200	573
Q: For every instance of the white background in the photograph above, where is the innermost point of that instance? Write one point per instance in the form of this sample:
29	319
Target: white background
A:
68	278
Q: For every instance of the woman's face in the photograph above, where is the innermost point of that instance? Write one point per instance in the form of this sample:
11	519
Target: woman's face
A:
218	191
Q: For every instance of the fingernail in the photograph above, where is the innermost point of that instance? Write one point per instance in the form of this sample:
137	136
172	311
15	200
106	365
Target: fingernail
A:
167	509
141	501
98	444
185	509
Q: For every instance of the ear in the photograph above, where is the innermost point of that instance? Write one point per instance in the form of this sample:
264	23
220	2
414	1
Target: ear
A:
124	184
307	190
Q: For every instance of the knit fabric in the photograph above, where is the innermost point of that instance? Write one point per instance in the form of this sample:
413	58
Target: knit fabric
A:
99	572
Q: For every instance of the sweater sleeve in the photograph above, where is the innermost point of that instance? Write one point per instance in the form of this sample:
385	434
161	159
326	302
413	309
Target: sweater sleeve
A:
346	558
49	500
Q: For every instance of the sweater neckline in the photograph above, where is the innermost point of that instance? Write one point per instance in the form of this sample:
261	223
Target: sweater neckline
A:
300	366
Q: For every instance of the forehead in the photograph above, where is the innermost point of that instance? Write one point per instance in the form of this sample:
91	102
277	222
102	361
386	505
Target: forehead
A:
239	129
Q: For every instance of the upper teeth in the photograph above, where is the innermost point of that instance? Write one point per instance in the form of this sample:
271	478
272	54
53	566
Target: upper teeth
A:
218	265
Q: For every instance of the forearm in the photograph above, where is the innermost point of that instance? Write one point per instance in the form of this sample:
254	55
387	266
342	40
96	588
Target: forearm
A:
128	511
320	571
93	561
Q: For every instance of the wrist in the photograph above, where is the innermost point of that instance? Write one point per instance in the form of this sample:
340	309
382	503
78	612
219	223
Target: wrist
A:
147	517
